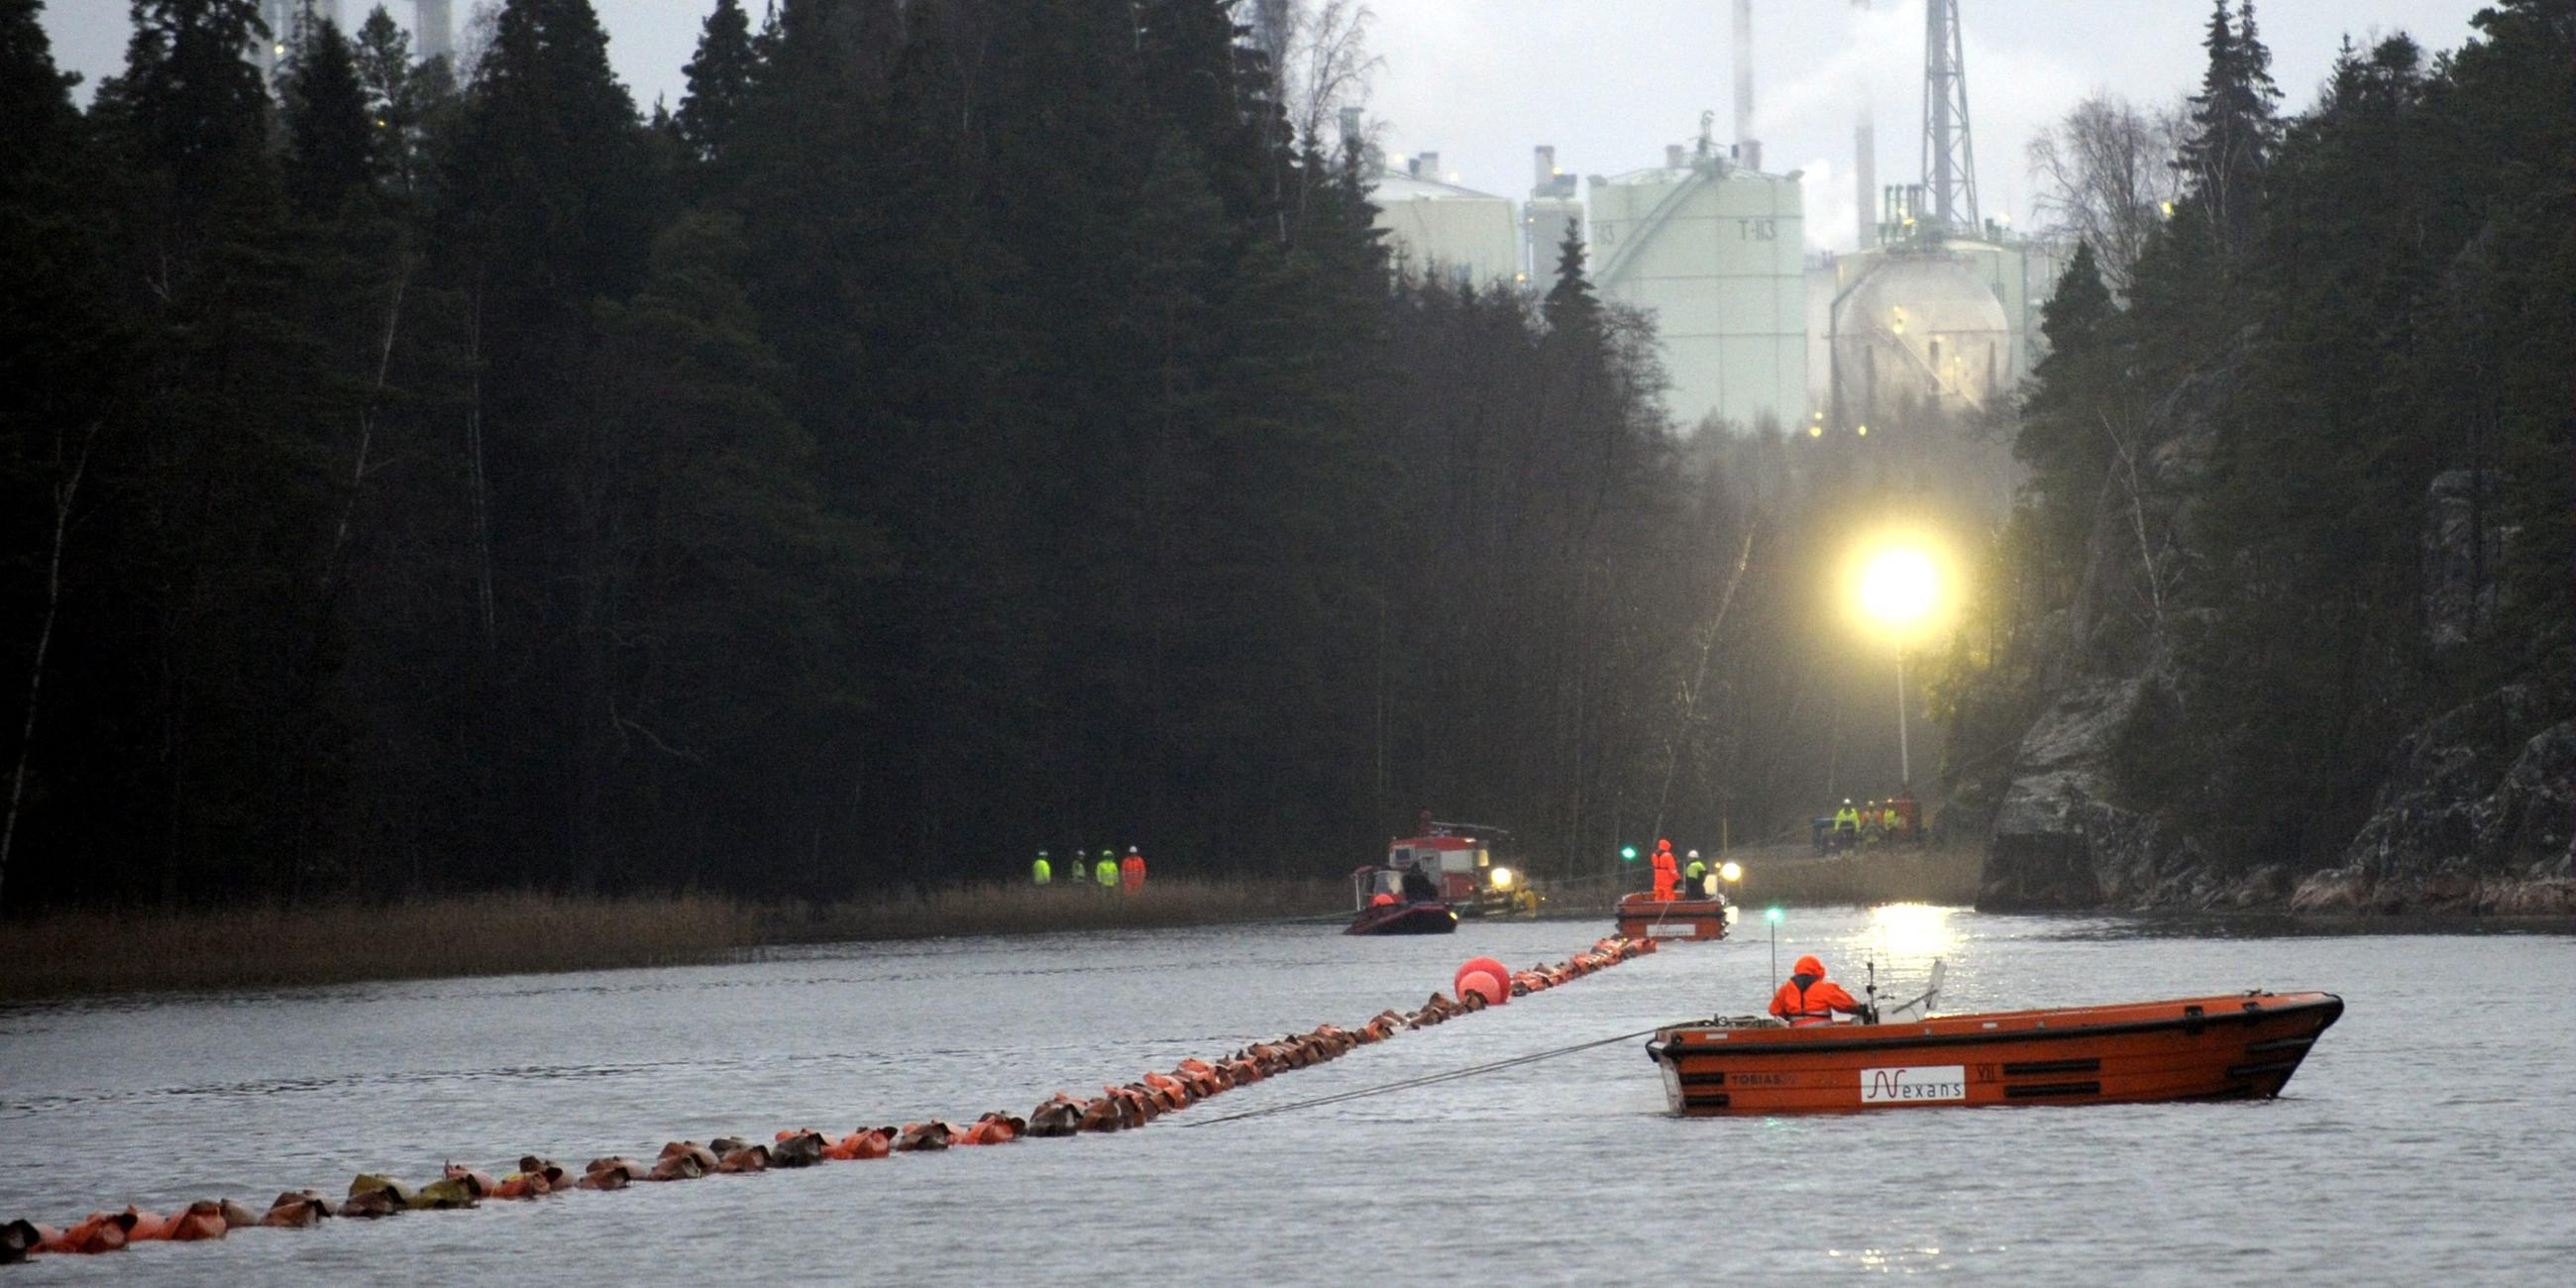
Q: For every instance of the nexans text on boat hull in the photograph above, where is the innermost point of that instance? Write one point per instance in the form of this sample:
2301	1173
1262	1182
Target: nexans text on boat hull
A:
2232	1046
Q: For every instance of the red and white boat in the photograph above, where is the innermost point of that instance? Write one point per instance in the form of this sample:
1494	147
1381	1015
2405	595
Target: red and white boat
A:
1642	916
2232	1046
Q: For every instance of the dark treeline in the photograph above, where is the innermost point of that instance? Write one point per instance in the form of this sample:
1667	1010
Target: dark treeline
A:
2311	476
958	427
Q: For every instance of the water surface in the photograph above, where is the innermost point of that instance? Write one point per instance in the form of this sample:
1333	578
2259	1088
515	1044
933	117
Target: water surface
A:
2429	1137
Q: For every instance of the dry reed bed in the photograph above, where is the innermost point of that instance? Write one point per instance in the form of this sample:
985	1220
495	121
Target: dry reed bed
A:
84	952
1894	875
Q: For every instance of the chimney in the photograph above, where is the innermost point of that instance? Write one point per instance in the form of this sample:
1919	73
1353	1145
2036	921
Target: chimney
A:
433	35
1748	151
1864	153
1673	159
1427	166
1542	166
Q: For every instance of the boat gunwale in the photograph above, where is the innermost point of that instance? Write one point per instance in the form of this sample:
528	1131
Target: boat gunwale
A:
1664	1049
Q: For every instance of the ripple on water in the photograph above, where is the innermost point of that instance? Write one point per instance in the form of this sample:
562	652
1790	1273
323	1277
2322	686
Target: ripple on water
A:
2428	1137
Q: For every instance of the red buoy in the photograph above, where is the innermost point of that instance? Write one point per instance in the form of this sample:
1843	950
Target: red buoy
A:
1501	974
1483	985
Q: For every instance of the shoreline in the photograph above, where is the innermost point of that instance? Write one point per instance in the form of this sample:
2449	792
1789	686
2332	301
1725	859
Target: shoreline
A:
71	955
94	953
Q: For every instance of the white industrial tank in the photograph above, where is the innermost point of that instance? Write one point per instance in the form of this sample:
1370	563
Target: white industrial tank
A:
1718	254
1922	329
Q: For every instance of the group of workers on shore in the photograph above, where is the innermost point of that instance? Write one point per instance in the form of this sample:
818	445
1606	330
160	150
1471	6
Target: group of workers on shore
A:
1689	874
1872	822
1111	872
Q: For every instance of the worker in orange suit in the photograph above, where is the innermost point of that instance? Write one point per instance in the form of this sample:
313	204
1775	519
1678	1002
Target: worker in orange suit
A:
1810	998
1131	871
1666	871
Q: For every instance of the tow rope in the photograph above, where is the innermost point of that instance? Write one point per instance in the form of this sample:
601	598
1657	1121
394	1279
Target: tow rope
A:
1473	1070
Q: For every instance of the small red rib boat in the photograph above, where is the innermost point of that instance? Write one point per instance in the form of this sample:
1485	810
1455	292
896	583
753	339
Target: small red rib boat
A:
2236	1046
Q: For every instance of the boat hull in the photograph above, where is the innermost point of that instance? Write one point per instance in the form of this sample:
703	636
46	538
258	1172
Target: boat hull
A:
2234	1046
1642	916
1404	919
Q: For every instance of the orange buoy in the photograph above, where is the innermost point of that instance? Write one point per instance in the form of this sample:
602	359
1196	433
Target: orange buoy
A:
1482	984
1489	966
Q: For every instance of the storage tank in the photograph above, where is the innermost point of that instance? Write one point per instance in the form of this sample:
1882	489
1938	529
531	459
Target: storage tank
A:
1924	328
1553	207
1717	252
1980	297
1437	227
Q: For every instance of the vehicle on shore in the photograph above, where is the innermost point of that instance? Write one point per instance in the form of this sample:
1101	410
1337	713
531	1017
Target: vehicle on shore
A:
1448	864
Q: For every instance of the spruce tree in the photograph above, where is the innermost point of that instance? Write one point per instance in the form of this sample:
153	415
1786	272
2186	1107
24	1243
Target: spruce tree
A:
192	104
331	136
35	96
1571	307
2069	421
2233	128
719	82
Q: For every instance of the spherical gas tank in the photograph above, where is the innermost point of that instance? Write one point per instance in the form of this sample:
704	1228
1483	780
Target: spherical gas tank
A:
1920	328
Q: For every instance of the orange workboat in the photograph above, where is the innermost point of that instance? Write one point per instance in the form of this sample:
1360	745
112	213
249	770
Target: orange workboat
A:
1642	916
2229	1047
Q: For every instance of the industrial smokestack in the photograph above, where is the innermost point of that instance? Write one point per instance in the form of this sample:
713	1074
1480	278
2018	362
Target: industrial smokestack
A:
1748	150
1865	155
1542	167
433	33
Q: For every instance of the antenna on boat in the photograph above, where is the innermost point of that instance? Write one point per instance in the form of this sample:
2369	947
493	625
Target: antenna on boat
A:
1922	1005
1772	915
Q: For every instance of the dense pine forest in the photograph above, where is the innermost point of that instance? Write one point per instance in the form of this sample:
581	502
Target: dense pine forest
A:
956	428
2293	582
960	428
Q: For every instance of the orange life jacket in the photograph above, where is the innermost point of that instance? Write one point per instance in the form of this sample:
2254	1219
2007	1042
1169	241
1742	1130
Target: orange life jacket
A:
1812	1004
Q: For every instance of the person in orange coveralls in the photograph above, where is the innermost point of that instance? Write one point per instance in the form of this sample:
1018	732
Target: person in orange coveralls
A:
1809	997
1666	871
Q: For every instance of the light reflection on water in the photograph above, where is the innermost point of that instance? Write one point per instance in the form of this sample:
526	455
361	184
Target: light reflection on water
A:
2429	1136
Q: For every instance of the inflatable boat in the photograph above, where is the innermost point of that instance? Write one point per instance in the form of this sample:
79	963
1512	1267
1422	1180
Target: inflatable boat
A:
1424	918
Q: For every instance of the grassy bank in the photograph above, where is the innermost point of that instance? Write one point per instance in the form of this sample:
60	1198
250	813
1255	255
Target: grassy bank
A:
1793	874
1899	875
75	953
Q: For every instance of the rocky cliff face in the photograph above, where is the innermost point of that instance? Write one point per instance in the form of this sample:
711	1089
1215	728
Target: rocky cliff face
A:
2476	813
2461	827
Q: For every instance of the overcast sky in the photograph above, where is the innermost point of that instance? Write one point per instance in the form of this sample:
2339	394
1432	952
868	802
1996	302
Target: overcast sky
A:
1609	82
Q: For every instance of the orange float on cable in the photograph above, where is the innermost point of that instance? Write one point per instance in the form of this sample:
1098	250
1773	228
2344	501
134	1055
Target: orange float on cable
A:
1501	975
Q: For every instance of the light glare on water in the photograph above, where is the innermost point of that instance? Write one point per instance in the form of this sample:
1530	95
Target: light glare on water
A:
2426	1139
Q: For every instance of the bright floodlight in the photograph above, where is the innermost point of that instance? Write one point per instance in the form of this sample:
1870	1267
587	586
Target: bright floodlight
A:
1730	871
1502	878
1899	586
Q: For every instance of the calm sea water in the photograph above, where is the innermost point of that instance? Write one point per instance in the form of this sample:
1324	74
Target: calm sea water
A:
2429	1138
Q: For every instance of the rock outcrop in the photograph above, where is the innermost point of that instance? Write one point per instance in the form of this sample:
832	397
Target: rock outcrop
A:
2456	831
2475	814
